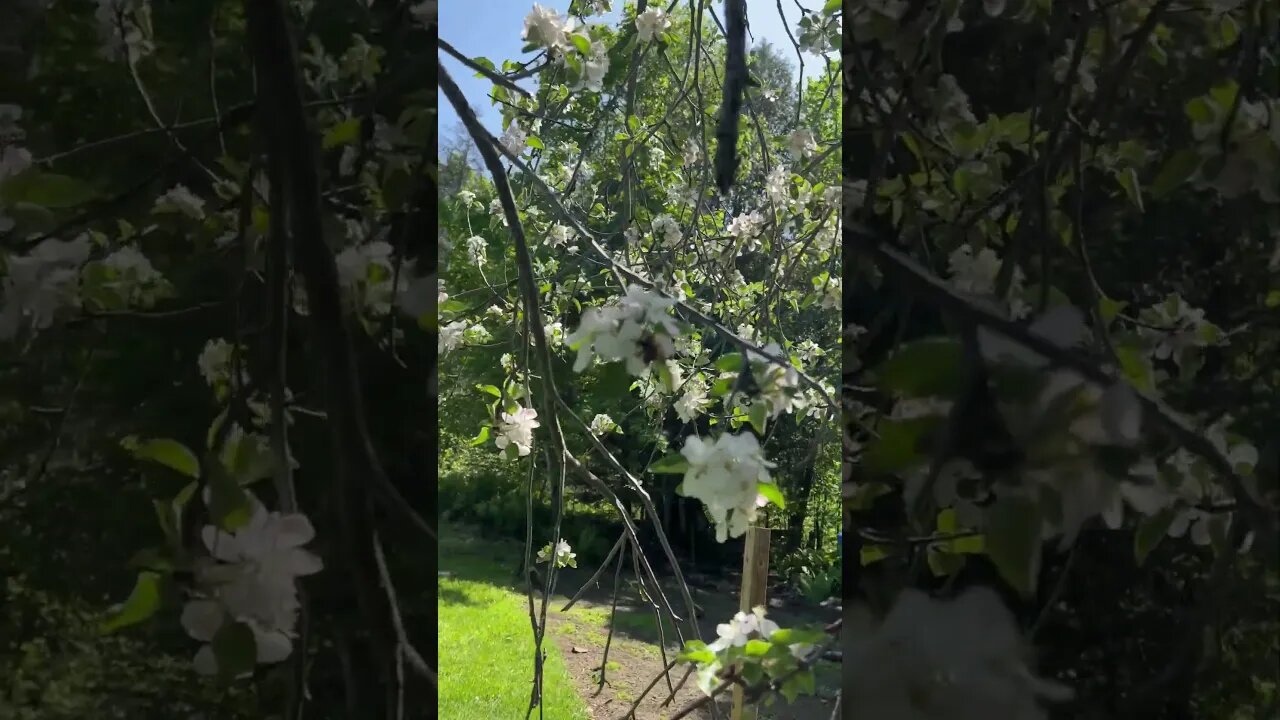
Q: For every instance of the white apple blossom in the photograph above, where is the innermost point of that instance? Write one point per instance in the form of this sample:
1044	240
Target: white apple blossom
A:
129	261
476	249
743	627
692	152
831	297
513	139
595	66
974	273
202	619
544	27
215	362
669	230
41	283
466	197
257	564
801	144
516	430
746	226
636	329
956	659
425	12
651	22
554	332
561	551
451	337
777	384
182	201
694	400
777	185
602	424
1176	328
560	236
724	474
13	160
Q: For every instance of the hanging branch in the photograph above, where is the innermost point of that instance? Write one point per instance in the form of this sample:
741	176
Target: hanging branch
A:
357	469
735	85
931	289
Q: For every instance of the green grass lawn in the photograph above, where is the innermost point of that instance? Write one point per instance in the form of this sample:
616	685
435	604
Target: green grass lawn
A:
485	641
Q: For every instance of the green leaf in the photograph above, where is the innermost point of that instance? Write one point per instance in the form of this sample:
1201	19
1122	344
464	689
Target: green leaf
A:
721	387
481	438
1225	94
1129	181
1273	299
170	453
1150	532
1013	541
772	493
490	389
1200	111
142	603
924	368
1109	308
872	554
229	506
944	564
582	42
1175	171
47	190
758	416
756	647
700	656
535	143
831	6
798	684
235	649
901	445
732	362
247	457
1135	367
671	464
344	133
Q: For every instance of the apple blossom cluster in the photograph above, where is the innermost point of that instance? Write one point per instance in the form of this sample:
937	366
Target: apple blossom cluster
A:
955	659
976	274
651	22
749	638
1177	329
181	201
726	474
636	329
563	555
40	284
515	431
602	424
123	26
586	59
249	578
778	384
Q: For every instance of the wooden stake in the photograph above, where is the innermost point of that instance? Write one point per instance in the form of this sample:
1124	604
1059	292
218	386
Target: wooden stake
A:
755	579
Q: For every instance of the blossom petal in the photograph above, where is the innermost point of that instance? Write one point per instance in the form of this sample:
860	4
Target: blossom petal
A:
206	663
202	619
294	530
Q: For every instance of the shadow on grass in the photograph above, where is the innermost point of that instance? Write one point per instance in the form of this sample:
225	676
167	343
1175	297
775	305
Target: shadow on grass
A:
467	555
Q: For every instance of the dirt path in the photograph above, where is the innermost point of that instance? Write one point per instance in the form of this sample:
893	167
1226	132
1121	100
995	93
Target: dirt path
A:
635	651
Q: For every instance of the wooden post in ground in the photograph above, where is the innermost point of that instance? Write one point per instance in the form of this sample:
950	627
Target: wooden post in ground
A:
755	578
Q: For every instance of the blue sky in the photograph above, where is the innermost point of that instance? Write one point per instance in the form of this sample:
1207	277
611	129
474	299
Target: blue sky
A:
491	28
